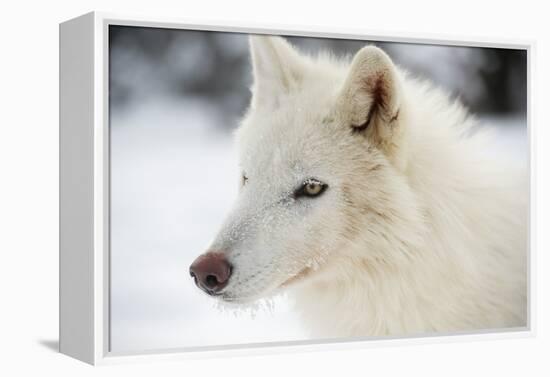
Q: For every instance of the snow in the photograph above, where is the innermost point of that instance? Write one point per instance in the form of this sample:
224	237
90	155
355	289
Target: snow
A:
173	179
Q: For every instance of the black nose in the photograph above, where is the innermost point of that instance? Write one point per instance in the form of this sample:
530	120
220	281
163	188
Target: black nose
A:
211	272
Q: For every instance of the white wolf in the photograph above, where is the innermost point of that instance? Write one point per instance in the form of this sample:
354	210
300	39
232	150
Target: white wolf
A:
373	199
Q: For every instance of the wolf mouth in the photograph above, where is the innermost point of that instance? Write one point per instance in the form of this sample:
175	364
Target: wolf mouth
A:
231	299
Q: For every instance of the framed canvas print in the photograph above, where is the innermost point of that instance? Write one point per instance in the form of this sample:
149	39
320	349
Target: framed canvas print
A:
227	189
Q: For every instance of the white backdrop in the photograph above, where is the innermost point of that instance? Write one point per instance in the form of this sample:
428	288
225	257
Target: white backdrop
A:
28	196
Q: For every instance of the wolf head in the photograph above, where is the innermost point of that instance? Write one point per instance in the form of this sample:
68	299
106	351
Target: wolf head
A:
323	156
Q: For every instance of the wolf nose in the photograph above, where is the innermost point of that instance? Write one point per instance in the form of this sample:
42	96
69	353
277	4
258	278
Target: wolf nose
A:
211	272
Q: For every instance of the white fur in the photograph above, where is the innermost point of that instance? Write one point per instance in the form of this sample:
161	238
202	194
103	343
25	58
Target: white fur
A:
420	230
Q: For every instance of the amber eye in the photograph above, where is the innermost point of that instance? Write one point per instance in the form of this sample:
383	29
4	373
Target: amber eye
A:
311	188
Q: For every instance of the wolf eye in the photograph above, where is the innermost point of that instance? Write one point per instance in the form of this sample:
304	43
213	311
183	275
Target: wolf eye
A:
311	188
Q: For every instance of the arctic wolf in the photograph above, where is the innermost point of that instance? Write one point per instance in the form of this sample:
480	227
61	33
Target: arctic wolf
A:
372	199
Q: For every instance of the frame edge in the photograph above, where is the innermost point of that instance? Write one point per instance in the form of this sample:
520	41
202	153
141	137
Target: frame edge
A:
76	188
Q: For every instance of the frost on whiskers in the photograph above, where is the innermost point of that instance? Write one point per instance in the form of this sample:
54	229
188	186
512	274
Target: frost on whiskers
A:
248	309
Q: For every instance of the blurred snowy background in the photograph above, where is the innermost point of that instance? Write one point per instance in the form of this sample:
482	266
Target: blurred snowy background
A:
175	97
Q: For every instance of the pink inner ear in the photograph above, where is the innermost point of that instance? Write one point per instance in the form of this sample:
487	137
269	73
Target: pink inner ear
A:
374	85
377	86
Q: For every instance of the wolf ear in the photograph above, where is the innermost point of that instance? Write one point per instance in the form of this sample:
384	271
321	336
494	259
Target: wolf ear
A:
371	98
277	68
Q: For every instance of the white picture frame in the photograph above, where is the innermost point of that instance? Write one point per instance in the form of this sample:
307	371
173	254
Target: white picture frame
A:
84	189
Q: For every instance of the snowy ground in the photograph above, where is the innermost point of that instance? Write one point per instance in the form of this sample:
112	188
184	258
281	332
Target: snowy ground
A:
173	180
174	177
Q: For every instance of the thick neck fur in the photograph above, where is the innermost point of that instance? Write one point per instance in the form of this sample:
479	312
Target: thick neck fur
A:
453	247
